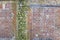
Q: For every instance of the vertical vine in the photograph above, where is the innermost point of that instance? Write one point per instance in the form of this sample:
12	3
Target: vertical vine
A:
22	7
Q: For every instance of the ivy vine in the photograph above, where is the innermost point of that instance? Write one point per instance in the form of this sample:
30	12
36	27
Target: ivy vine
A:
22	7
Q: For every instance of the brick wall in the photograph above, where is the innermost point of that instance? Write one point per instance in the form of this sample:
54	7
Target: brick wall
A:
44	23
7	20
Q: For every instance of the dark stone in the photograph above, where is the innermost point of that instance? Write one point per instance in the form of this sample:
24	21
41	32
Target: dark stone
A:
42	39
48	39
